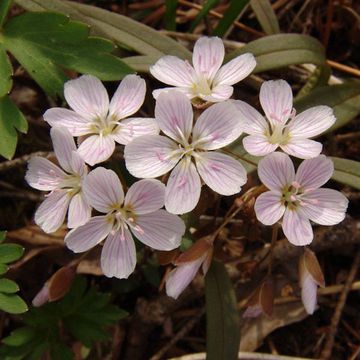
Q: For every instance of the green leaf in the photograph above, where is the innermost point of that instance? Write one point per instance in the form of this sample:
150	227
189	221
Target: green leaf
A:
230	15
11	119
8	286
266	16
319	77
343	98
347	172
12	304
4	9
2	236
202	13
5	72
222	317
10	253
170	14
278	51
19	336
3	269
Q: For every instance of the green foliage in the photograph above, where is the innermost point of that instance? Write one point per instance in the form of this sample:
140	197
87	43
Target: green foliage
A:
9	301
347	172
83	313
222	317
266	16
5	72
170	14
4	8
202	13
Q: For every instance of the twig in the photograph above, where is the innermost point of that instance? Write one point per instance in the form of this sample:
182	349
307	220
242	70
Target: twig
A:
6	165
327	350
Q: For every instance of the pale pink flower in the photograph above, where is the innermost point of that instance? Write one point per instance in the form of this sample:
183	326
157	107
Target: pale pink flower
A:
281	127
101	123
187	149
65	186
297	198
138	213
206	79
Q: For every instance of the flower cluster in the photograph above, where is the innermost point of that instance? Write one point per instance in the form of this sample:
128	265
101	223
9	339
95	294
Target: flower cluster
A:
184	148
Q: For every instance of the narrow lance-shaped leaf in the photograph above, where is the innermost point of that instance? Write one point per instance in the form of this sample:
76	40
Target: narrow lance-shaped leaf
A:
5	72
4	9
347	172
170	14
202	13
266	16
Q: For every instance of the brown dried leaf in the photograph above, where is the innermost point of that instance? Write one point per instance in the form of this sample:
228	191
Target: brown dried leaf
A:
312	266
60	283
198	249
167	257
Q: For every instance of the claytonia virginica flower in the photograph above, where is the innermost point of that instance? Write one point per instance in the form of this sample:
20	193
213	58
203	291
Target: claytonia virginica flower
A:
297	198
65	186
188	149
138	213
293	136
206	79
101	123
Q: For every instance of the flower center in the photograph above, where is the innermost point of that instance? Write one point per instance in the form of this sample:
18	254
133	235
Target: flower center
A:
202	86
104	126
291	195
278	135
122	219
72	183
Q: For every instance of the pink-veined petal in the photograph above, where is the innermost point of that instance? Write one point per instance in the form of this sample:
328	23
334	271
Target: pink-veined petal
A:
276	100
173	71
77	164
308	293
44	175
217	126
254	122
311	122
86	236
184	90
64	145
314	173
145	196
179	278
218	93
75	123
235	70
151	156
174	114
220	172
276	170
297	228
96	149
131	128
118	255
79	211
208	56
128	97
258	145
324	206
268	207
51	213
159	230
302	148
103	190
87	96
183	188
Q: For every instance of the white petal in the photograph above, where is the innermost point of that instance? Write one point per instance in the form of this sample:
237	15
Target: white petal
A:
313	173
64	145
184	90
145	196
254	122
88	235
217	126
160	230
302	148
96	149
325	206
276	170
183	188
218	93
173	71
312	122
151	156
181	277
103	190
79	211
308	293
87	96
128	97
51	213
208	56
118	256
132	128
77	164
221	173
174	114
297	228
75	123
258	145
235	70
276	100
44	175
268	207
